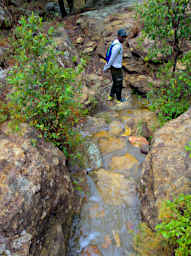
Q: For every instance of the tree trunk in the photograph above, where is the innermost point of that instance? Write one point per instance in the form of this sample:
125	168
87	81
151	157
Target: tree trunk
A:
175	61
62	8
70	4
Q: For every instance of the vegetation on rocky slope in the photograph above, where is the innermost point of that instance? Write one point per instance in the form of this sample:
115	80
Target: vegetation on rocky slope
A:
172	235
44	93
167	23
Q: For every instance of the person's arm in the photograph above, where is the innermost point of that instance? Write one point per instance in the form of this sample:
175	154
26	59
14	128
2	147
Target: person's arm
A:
115	51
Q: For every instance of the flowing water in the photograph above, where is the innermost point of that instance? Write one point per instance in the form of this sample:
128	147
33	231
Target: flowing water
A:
111	211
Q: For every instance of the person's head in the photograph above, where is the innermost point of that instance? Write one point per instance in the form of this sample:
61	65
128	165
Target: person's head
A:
122	35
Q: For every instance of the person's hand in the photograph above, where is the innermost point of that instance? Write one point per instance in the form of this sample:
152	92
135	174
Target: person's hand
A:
105	69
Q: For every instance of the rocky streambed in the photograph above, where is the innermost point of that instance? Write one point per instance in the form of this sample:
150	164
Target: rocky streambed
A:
37	194
110	212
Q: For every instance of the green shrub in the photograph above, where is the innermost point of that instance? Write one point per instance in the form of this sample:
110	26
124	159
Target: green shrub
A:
44	94
172	236
173	96
165	22
175	224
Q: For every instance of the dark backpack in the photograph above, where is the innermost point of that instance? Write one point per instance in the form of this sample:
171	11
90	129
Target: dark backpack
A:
109	51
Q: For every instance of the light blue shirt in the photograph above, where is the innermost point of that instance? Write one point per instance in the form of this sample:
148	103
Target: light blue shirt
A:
116	56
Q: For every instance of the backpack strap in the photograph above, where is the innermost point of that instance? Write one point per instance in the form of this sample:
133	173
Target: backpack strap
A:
109	51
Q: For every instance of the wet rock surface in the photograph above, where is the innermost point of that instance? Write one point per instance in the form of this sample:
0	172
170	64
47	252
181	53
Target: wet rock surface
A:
111	209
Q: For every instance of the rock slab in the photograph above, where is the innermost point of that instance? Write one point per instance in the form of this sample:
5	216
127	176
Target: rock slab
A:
167	167
34	184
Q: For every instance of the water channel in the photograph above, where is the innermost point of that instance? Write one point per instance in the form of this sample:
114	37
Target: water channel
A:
110	214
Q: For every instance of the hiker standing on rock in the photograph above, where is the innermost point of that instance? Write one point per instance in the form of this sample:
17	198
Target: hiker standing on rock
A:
114	57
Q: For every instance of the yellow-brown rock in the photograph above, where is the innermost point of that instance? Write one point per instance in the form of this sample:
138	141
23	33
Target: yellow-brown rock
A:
124	162
101	134
113	187
84	95
110	144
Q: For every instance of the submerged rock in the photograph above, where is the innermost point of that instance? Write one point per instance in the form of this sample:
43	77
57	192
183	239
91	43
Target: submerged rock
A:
124	162
110	144
114	188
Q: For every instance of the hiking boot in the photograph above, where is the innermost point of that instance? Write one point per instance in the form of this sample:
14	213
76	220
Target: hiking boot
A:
121	100
110	98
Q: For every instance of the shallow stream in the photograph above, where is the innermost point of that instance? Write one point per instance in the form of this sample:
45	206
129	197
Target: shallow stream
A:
110	212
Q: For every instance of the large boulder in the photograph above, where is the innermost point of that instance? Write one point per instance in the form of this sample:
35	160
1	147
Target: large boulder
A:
141	83
35	187
167	168
141	45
